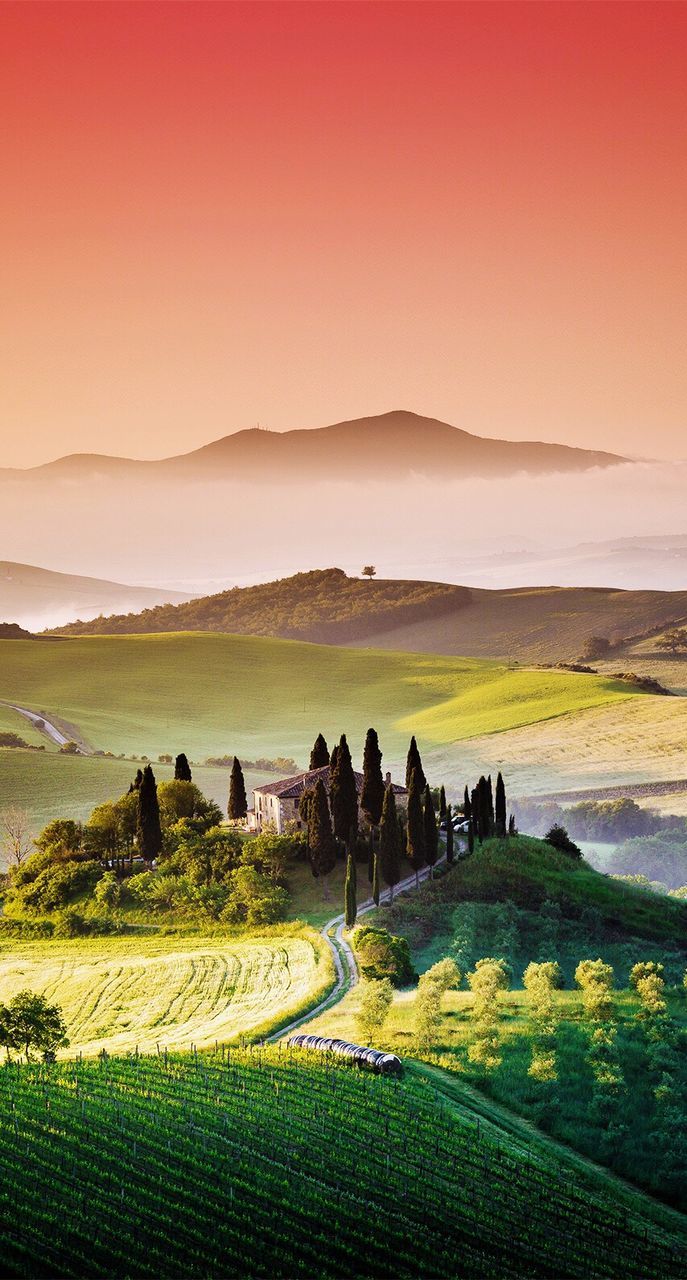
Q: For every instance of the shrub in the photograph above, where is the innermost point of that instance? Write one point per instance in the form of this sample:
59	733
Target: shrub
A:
383	955
559	839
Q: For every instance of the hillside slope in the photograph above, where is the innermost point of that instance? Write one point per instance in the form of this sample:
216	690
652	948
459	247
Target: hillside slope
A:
37	598
543	624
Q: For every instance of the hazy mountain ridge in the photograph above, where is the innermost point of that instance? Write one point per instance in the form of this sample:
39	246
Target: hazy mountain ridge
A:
32	595
398	443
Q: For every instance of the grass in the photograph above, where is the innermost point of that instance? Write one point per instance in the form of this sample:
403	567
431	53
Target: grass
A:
12	722
276	1164
47	784
120	994
210	693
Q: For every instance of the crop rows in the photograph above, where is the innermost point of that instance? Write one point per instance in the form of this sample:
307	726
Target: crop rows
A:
266	1163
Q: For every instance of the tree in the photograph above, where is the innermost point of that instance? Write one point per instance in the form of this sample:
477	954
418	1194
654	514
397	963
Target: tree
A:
350	893
541	980
372	792
595	980
427	1006
376	998
101	832
321	842
429	823
304	806
238	804
489	978
148	829
369	571
415	841
500	815
343	794
390	848
182	769
675	640
449	836
471	838
375	879
414	762
559	839
442	801
15	829
319	756
467	806
135	785
381	954
29	1022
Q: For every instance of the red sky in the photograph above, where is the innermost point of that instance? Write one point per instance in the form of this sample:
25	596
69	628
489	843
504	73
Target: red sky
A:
214	215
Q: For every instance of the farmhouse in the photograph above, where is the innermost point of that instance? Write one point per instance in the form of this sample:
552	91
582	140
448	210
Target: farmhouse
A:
276	803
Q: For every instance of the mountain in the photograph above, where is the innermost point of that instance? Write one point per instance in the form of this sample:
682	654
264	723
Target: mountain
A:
541	624
396	444
38	597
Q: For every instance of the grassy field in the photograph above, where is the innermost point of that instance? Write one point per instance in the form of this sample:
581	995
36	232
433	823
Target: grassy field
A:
209	694
12	722
272	1164
121	993
47	784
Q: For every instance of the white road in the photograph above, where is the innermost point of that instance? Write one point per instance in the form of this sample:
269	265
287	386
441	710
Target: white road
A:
39	721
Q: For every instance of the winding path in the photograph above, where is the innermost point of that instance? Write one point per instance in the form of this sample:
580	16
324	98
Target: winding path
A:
39	722
342	952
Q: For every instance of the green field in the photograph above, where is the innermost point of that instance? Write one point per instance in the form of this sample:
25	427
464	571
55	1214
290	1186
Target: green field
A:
120	994
210	694
271	1164
47	784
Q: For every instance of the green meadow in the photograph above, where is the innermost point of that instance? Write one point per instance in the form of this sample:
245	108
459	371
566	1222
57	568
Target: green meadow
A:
209	694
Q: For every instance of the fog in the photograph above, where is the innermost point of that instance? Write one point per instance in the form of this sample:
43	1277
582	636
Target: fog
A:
622	527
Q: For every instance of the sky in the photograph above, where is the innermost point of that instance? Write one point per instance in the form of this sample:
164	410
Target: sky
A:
218	215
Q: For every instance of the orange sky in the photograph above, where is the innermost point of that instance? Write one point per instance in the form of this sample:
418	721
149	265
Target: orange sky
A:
214	215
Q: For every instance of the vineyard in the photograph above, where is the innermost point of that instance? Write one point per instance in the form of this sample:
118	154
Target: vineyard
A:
120	994
266	1163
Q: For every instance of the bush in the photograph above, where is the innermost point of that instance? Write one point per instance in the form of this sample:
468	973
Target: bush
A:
383	955
255	899
57	885
559	839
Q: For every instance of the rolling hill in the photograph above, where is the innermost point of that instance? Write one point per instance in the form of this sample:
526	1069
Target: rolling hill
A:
542	624
36	597
399	443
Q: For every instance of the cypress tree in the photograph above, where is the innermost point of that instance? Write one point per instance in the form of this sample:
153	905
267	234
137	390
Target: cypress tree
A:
500	807
371	855
471	837
414	762
449	836
148	830
375	880
334	758
467	806
415	838
350	893
476	818
442	802
343	795
512	830
319	756
490	806
320	835
135	785
431	833
182	769
372	793
390	846
238	805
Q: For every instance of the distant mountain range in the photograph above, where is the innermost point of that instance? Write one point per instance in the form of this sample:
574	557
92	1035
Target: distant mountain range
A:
544	624
34	597
390	445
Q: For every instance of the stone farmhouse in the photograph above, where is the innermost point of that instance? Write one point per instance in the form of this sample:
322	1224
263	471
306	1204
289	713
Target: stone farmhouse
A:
276	803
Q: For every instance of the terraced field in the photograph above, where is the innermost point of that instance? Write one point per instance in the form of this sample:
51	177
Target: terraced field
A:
122	994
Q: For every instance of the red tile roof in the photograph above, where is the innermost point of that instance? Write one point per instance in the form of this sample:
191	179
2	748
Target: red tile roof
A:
293	788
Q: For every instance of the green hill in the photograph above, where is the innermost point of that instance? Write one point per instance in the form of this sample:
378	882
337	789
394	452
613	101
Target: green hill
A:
270	1163
542	624
211	693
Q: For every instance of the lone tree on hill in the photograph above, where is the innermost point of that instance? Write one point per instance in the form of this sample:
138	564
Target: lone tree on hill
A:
390	847
319	756
182	769
148	829
429	823
415	846
414	762
449	836
500	816
238	805
372	793
321	842
343	794
369	571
